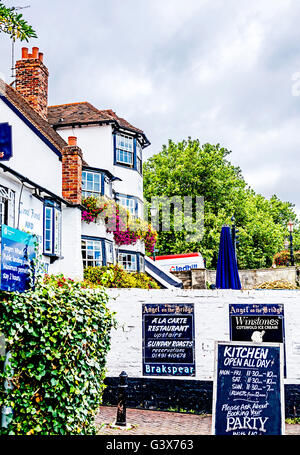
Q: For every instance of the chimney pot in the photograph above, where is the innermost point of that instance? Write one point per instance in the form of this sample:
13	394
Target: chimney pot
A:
32	80
24	52
72	140
35	51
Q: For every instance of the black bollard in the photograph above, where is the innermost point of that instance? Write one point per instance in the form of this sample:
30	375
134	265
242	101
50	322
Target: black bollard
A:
122	398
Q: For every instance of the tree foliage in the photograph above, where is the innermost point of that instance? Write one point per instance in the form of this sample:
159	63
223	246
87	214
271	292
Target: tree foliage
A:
14	25
188	168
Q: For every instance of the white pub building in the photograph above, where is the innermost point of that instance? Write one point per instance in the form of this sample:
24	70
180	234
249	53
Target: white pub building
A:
61	154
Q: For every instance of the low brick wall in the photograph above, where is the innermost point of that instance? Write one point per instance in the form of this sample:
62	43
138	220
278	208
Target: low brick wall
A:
250	279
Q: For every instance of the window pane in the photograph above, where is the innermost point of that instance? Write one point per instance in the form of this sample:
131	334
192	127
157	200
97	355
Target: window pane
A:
124	149
91	184
91	253
128	261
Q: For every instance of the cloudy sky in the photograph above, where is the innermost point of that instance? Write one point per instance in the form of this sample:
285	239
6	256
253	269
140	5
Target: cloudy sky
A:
223	71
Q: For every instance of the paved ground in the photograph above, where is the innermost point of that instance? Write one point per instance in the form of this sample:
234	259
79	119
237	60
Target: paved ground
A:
161	423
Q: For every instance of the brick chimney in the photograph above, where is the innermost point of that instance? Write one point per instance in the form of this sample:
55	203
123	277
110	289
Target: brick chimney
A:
32	80
72	171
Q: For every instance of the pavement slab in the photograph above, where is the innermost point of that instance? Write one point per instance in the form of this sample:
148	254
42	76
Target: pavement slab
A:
148	422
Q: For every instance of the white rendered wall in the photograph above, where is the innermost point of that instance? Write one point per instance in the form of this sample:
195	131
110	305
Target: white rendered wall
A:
96	230
211	324
96	143
138	247
30	219
71	263
31	156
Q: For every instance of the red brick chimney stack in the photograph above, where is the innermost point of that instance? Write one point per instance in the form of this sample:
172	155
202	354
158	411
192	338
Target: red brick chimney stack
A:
72	171
32	80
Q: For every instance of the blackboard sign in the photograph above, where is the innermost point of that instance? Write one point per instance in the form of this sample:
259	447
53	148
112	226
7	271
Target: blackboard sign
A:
248	389
257	322
17	259
168	339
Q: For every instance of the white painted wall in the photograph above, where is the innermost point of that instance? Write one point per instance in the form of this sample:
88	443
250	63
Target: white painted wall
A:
71	263
31	156
35	160
211	324
95	230
96	143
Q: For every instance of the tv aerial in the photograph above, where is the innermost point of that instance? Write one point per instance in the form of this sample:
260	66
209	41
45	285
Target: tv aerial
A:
15	8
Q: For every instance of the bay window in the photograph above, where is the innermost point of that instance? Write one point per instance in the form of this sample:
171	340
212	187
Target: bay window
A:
139	162
128	261
124	150
92	255
7	206
109	252
52	228
91	184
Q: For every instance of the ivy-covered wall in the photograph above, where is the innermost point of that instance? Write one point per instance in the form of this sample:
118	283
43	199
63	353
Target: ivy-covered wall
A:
58	337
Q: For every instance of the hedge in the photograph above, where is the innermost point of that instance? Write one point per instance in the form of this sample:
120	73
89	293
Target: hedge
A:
114	276
58	336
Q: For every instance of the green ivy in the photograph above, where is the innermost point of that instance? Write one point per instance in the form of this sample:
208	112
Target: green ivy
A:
58	336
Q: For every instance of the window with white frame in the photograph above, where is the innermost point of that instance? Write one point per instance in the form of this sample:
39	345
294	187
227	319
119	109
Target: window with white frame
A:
128	260
109	248
91	184
52	228
142	263
107	187
124	150
7	206
91	253
129	203
139	162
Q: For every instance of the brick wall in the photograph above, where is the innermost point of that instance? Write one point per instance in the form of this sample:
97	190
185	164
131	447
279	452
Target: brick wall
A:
72	171
32	80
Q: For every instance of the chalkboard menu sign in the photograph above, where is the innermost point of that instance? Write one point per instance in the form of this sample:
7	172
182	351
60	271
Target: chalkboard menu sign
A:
248	389
168	339
257	322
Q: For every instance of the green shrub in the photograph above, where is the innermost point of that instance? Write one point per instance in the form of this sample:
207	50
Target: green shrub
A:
114	276
58	336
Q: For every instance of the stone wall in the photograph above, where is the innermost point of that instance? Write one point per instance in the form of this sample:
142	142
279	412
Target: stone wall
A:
250	279
211	324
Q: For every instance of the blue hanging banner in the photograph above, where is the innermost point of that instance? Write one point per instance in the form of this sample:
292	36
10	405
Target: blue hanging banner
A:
5	141
227	276
17	259
248	396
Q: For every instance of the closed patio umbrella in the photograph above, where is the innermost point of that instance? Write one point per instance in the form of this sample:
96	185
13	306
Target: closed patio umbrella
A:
227	271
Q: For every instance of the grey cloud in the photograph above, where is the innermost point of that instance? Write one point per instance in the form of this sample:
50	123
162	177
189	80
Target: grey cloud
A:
218	70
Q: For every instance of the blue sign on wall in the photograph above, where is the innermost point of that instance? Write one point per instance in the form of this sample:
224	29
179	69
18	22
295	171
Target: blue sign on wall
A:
168	340
17	259
248	389
5	142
